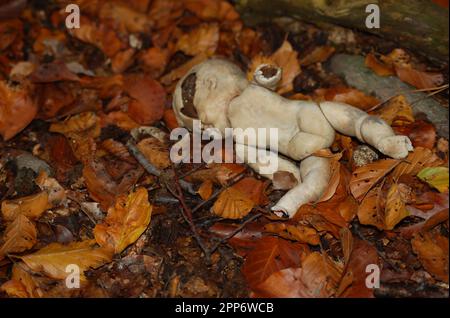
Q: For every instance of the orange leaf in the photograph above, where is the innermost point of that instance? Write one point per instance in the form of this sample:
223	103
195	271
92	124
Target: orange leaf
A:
148	102
419	79
232	204
365	177
155	152
347	95
317	55
19	236
17	110
395	210
125	222
294	232
416	160
432	250
169	119
378	67
203	39
270	255
206	189
30	206
397	111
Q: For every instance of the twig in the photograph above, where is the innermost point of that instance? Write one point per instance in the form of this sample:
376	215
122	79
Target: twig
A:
142	160
236	231
186	212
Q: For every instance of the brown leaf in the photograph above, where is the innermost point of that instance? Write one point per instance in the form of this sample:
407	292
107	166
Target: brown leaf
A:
419	79
149	97
155	152
347	95
370	211
378	67
85	124
56	193
395	210
416	160
286	58
22	283
397	111
271	254
317	278
432	250
19	236
232	204
363	254
206	189
202	39
317	55
294	232
17	110
125	222
283	180
423	134
53	259
365	177
30	206
169	119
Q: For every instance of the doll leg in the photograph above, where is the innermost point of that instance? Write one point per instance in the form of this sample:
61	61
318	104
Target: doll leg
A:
315	175
267	166
369	129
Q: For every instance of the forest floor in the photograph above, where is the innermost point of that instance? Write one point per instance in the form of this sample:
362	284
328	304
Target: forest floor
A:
85	181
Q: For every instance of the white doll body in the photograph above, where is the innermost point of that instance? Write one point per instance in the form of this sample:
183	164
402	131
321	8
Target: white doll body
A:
223	98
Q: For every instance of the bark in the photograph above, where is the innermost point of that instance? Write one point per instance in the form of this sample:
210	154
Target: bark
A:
419	25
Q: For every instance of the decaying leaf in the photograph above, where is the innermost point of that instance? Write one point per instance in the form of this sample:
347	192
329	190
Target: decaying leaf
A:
206	189
84	124
294	232
20	235
395	210
437	177
416	160
155	152
17	110
125	222
365	177
30	206
270	255
432	250
378	67
232	204
53	259
22	283
203	39
397	111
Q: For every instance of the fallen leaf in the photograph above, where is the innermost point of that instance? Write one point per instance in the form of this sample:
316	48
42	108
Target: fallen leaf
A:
283	180
365	177
395	209
125	222
317	55
22	284
84	124
419	79
347	95
437	177
232	204
56	193
270	255
294	232
286	58
205	190
202	39
397	111
432	250
370	211
155	152
149	97
378	67
19	236
317	278
169	119
53	259
30	206
416	161
17	110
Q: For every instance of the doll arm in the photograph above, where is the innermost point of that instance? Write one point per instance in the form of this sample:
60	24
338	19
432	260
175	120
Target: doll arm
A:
368	129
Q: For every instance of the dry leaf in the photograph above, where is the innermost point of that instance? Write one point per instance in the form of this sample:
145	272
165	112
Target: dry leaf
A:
370	211
283	180
56	193
294	232
149	97
232	204
271	254
397	111
378	67
205	190
437	177
53	259
22	283
416	160
365	177
155	152
202	39
286	58
395	210
17	110
317	278
419	79
125	222
84	124
347	95
317	55
19	236
30	206
432	250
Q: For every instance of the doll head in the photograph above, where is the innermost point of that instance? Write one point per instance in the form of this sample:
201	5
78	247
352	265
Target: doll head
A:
205	92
